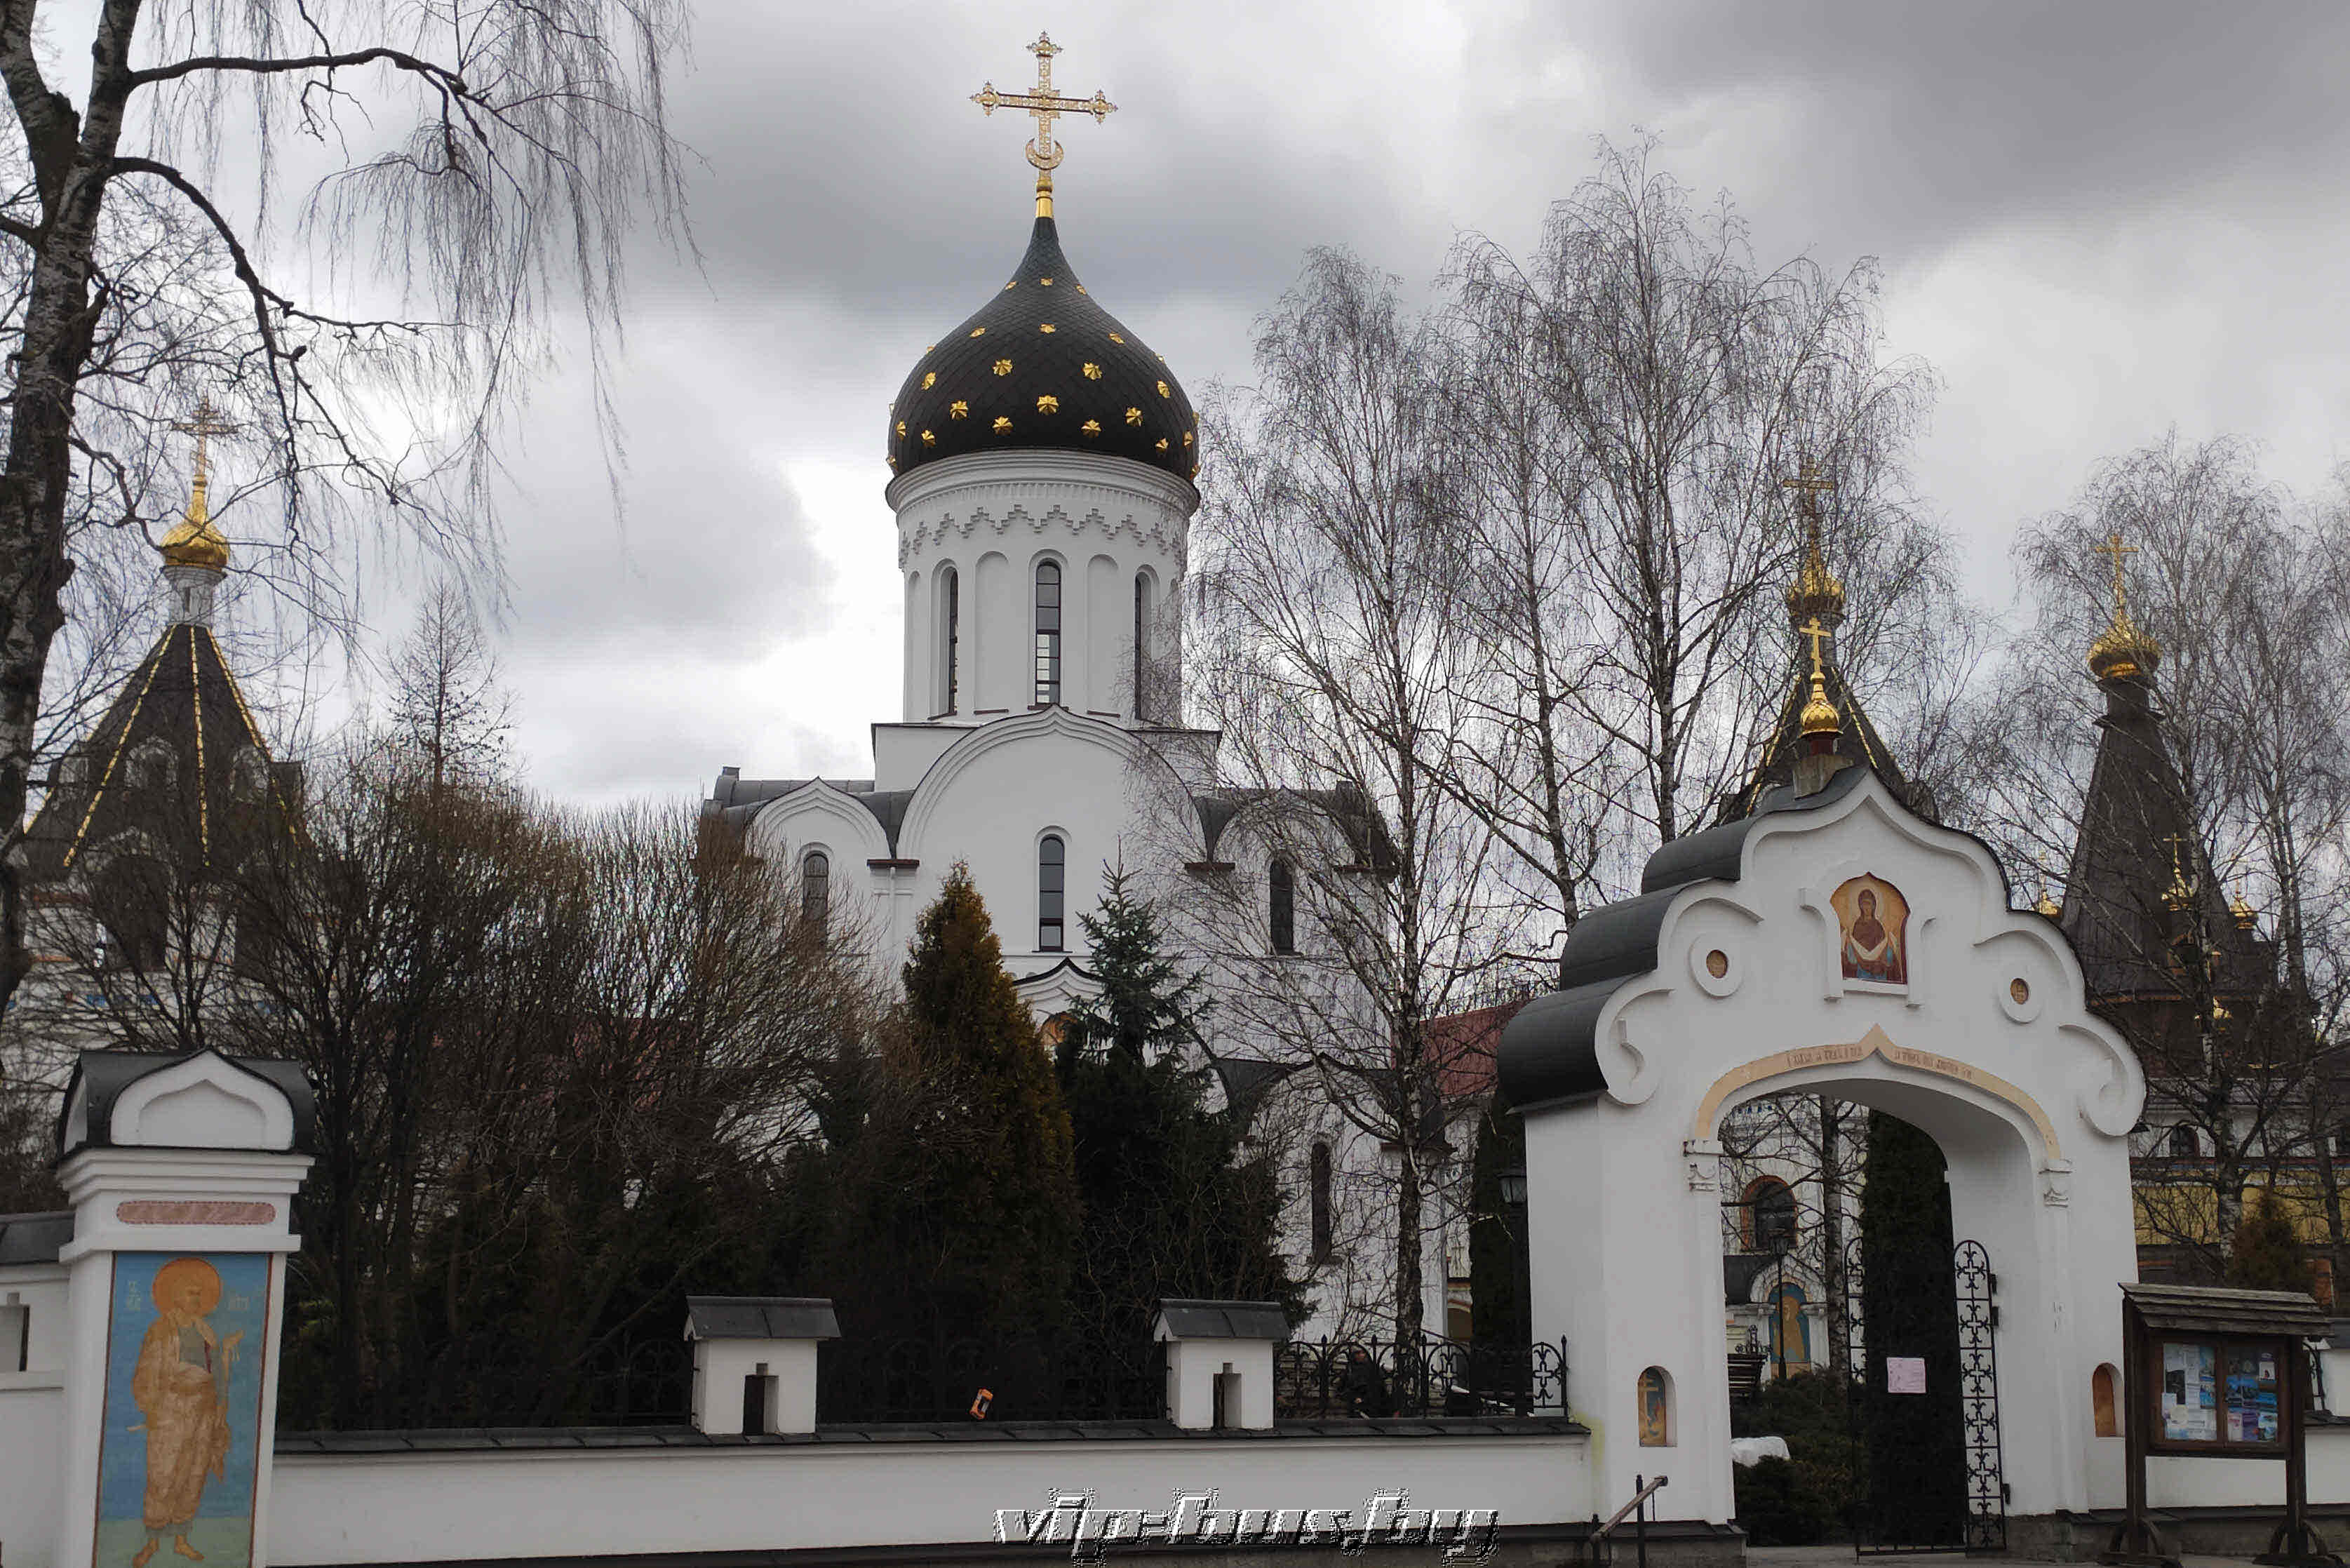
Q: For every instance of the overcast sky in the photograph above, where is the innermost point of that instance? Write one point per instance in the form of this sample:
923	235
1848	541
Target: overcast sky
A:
2094	220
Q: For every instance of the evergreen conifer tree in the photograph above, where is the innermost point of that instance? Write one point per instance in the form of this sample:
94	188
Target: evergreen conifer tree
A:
958	1211
1169	1210
2266	1253
1499	1259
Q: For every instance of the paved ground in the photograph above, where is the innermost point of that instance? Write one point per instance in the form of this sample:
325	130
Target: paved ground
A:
1843	1557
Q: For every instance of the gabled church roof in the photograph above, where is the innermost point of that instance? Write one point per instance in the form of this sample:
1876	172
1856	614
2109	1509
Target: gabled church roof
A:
177	757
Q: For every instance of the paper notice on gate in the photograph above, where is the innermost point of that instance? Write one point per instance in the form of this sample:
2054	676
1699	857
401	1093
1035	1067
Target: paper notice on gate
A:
1904	1374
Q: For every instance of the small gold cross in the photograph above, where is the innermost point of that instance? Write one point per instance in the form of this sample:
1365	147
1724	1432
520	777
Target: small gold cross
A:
1813	632
1047	105
203	427
2115	548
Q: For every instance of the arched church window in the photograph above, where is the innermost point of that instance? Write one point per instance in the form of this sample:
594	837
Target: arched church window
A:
1141	644
1770	1216
151	766
1318	1200
815	886
249	775
1052	887
2103	1403
1284	908
1048	633
2184	1144
950	636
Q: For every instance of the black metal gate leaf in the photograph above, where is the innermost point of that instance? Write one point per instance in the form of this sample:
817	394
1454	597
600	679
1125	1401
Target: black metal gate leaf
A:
1927	1468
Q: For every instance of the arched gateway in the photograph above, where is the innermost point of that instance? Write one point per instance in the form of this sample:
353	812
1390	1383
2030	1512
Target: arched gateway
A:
1836	943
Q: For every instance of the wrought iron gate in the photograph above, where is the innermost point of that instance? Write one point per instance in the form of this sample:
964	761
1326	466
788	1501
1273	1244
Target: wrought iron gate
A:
1926	1476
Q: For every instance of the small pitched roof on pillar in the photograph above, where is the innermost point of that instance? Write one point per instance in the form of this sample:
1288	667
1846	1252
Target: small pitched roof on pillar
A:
761	1317
1220	1320
198	1099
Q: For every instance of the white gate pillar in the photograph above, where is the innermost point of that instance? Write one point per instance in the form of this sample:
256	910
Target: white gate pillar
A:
182	1171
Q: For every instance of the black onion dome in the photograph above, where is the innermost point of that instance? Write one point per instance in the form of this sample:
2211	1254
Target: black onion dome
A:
1041	365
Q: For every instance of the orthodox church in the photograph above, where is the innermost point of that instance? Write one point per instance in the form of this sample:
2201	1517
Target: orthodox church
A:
1041	459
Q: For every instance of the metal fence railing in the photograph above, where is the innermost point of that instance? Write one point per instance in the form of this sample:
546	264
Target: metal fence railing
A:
1333	1379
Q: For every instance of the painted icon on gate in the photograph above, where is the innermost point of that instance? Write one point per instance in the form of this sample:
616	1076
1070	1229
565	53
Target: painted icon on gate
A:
183	1376
1874	918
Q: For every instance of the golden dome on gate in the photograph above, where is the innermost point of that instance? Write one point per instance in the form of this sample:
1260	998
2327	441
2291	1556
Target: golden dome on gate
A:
1042	367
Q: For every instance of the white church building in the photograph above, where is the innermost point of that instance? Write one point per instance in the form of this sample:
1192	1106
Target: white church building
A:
1041	460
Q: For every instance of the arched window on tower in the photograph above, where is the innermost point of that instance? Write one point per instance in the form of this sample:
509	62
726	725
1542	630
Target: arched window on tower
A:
1318	1200
1052	886
1770	1216
815	887
1141	645
950	636
1284	908
1048	633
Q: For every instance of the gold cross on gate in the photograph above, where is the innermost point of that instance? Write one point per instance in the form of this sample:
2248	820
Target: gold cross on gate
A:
203	427
1813	632
1047	105
2115	548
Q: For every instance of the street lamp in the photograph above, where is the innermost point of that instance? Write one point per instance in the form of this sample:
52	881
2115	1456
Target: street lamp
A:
1513	1187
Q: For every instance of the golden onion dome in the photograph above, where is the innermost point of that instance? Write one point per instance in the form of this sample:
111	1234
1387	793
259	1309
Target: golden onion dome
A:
1820	716
2124	651
1816	592
2048	905
195	542
2246	916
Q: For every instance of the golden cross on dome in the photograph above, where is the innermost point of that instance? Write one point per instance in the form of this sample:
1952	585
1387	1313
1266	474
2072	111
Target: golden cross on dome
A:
1813	632
1047	105
203	427
2115	548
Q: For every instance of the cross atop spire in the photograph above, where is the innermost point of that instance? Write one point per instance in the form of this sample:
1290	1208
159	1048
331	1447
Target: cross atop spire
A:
2123	651
195	542
1046	105
206	425
2115	548
1816	593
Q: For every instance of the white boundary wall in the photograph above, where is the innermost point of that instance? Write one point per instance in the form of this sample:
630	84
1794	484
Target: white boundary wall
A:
351	1508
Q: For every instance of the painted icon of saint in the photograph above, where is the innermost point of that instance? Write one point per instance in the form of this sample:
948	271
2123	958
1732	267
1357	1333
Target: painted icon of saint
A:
1872	949
181	1386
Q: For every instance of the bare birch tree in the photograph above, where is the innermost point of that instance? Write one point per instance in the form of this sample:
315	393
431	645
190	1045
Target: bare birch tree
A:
1327	651
457	173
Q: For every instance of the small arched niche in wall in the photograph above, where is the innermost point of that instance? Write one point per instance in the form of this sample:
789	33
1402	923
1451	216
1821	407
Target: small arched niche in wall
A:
1656	1408
2104	1401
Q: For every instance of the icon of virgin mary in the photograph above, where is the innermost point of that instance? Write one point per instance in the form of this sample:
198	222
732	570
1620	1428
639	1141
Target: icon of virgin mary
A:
1875	915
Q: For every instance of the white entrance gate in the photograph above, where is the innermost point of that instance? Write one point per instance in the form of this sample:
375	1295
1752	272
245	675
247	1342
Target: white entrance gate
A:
1835	944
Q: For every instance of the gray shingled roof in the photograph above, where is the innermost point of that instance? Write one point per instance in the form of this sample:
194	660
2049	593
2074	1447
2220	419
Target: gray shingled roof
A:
2202	1309
1223	1320
34	1238
760	1317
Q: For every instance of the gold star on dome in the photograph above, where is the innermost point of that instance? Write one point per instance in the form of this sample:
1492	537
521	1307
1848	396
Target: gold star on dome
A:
1012	284
1001	424
1047	327
1134	415
1162	444
1115	338
1187	438
1091	427
1162	390
1003	367
901	427
1046	282
929	440
1049	404
979	332
930	379
958	409
1093	372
